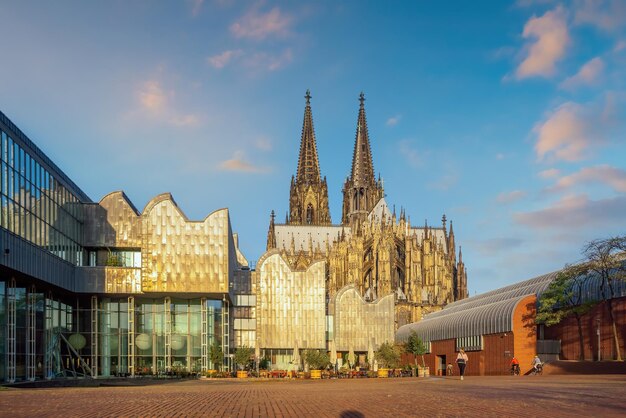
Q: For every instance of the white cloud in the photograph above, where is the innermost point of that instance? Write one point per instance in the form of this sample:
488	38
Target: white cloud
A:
500	156
264	61
223	59
549	173
603	174
588	74
607	15
264	144
547	39
393	121
576	211
510	197
567	133
239	163
412	156
258	26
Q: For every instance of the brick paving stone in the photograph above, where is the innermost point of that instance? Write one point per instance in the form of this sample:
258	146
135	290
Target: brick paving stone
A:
526	396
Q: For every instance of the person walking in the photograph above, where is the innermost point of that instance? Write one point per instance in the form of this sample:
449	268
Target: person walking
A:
461	360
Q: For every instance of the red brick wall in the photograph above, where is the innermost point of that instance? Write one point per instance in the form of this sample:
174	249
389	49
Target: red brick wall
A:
567	332
498	349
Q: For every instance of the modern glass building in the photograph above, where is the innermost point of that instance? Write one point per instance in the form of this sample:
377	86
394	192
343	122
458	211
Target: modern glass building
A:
97	288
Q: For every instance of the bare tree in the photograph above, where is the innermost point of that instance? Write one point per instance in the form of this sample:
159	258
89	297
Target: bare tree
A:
606	258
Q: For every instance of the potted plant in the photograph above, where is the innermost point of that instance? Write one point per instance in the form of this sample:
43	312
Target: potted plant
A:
417	347
387	355
317	360
242	357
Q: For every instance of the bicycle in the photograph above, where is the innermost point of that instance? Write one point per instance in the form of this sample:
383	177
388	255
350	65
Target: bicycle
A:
514	370
537	370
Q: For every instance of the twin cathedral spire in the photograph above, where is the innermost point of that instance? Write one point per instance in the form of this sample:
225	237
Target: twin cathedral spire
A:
308	198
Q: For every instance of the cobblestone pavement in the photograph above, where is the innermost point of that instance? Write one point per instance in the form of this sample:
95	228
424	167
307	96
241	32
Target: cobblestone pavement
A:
541	396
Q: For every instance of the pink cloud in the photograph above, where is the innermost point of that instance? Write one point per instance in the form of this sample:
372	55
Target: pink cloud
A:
510	197
549	173
221	60
608	15
548	39
238	163
566	134
155	102
258	26
576	211
151	96
588	74
603	174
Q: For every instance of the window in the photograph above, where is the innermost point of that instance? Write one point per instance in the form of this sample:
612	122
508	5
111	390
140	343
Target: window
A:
473	343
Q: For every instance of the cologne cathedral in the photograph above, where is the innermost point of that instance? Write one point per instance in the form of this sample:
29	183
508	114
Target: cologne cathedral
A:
373	248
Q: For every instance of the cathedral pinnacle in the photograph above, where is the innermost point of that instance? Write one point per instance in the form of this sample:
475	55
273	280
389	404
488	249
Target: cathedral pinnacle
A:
308	198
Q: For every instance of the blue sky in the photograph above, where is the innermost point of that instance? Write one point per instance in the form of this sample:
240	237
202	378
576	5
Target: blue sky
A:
506	116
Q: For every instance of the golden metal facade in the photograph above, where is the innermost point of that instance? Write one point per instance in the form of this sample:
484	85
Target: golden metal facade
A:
358	323
291	306
177	255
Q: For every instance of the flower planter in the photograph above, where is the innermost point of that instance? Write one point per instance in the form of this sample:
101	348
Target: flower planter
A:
420	372
426	371
242	374
383	372
316	374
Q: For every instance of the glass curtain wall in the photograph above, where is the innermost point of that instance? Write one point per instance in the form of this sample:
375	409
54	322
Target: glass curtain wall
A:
167	333
36	206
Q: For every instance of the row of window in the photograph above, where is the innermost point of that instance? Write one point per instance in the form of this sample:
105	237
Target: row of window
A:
16	158
36	206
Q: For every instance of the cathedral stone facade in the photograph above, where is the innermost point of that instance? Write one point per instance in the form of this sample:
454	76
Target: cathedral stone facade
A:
372	249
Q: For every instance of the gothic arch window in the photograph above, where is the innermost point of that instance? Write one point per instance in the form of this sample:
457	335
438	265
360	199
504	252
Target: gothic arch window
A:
309	214
368	255
399	278
355	201
361	199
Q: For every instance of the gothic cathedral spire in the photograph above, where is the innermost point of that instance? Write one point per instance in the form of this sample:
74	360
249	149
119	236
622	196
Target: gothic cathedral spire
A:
308	197
361	191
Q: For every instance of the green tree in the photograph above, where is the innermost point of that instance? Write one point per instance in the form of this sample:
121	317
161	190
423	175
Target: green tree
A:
316	359
242	356
417	347
605	258
564	298
388	355
216	355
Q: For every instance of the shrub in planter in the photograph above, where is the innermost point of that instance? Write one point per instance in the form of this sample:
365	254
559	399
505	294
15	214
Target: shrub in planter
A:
316	359
388	355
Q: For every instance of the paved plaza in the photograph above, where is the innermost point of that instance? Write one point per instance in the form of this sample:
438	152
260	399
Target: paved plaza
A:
545	396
